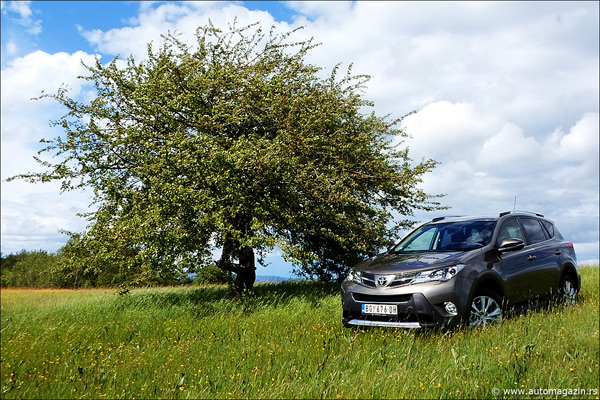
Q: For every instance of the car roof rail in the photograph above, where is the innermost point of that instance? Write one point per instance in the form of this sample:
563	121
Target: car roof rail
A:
502	214
444	217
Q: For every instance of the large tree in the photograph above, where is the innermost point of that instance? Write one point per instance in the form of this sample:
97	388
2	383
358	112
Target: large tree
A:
235	143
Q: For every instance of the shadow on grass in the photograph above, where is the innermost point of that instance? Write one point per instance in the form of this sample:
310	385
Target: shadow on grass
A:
311	291
209	300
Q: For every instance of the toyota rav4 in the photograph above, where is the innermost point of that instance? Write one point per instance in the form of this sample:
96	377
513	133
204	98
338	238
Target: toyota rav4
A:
455	270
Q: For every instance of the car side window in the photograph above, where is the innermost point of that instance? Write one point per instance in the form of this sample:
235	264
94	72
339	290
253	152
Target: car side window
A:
510	229
533	230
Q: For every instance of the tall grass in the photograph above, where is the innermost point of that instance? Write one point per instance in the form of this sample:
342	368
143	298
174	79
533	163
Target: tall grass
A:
285	341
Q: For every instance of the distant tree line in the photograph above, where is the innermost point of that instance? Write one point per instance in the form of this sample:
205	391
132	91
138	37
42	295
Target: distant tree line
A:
42	269
31	269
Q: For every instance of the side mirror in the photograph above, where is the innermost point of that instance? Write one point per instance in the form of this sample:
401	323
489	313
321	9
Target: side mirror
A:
511	244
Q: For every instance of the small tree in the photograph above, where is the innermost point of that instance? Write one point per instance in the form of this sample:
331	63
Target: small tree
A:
236	143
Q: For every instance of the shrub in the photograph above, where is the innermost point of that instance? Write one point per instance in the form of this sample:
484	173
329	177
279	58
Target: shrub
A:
211	274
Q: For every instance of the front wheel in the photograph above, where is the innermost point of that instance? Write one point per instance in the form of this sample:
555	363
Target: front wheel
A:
486	309
567	291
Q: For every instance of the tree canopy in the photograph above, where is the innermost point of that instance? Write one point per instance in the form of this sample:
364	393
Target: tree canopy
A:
236	144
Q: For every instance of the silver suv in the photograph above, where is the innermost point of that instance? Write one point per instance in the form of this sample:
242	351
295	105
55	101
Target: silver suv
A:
456	270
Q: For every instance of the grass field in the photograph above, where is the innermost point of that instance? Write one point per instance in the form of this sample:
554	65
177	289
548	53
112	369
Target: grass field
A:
286	341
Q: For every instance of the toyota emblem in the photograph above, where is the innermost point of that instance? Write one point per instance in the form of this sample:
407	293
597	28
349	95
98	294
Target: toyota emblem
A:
382	281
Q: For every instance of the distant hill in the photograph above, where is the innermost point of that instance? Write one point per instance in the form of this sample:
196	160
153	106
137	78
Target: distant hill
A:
271	278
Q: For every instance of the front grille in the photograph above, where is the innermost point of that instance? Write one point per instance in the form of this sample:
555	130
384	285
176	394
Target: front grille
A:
399	279
401	298
404	279
368	279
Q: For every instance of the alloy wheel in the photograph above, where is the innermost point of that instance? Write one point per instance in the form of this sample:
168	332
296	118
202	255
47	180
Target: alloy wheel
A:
485	310
569	293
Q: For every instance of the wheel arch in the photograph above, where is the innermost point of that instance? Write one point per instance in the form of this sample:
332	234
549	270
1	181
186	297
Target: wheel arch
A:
488	282
570	270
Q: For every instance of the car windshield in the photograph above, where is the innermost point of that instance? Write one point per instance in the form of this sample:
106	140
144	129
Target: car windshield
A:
448	236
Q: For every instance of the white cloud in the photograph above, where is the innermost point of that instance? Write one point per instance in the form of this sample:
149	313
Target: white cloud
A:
582	140
23	9
183	18
20	7
11	48
32	215
508	150
25	79
556	175
441	127
510	58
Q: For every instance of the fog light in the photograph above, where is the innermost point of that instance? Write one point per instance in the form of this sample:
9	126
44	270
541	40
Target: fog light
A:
450	308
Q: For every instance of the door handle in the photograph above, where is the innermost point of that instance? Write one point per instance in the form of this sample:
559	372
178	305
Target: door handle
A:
558	252
531	258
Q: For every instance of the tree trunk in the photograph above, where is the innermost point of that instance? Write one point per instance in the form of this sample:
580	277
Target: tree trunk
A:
245	269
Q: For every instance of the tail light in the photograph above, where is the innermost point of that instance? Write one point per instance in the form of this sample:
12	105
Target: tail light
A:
570	245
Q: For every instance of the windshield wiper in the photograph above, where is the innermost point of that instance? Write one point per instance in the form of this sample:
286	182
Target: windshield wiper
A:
412	251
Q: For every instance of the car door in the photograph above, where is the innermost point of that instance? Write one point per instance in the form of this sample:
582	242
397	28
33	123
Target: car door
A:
515	268
545	265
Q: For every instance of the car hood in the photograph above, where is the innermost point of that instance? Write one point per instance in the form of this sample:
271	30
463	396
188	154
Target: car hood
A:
390	263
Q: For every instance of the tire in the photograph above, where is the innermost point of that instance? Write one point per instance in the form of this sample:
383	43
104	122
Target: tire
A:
486	309
567	291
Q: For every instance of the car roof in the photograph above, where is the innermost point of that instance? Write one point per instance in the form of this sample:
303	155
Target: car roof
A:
464	218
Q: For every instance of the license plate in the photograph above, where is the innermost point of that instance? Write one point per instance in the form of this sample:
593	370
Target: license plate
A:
380	309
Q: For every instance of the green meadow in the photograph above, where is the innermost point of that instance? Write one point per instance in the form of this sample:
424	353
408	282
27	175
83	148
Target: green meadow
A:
285	340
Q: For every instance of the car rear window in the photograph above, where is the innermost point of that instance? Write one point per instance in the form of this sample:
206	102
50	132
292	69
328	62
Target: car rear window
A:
549	227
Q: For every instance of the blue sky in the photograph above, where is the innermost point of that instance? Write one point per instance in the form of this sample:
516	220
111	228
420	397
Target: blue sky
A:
61	22
506	94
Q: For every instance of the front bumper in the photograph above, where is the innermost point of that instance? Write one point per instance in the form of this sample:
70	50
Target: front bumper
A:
419	306
385	324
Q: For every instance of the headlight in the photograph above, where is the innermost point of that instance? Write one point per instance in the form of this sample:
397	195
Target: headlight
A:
354	275
440	274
